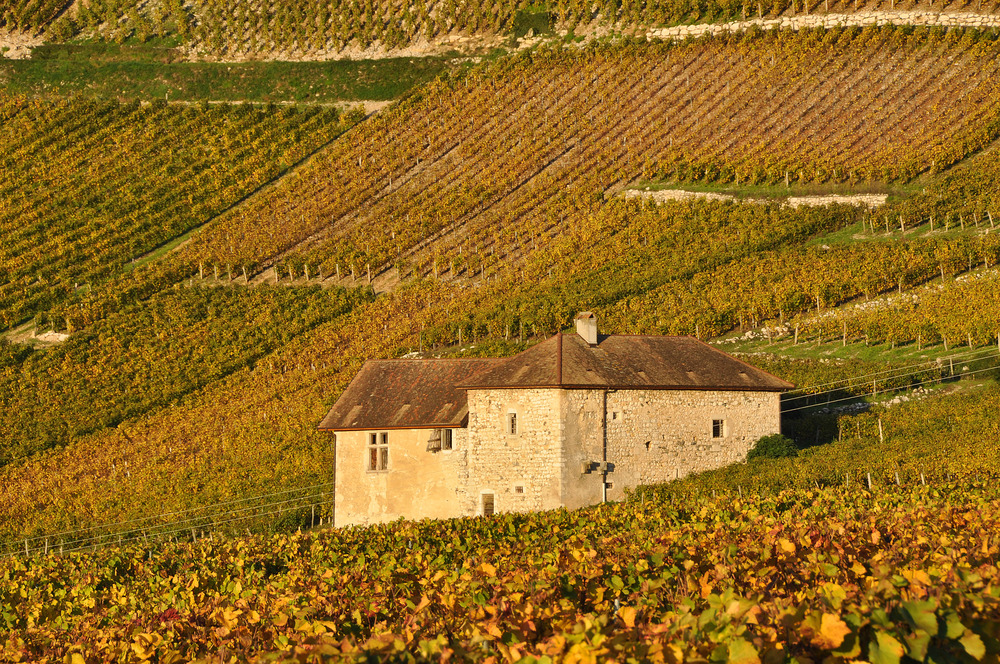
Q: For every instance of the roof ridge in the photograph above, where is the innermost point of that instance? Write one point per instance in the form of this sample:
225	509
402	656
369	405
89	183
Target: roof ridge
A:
559	354
436	359
652	361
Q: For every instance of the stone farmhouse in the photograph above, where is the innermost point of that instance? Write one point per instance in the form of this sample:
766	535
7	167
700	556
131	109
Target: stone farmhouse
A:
573	421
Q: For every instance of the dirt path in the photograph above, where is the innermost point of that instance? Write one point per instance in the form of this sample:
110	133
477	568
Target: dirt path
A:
28	334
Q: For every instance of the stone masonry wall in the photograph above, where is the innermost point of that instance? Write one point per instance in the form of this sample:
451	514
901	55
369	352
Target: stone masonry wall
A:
652	436
820	19
532	459
664	195
660	435
583	443
418	483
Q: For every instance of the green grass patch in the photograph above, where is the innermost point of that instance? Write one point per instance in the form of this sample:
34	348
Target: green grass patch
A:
155	72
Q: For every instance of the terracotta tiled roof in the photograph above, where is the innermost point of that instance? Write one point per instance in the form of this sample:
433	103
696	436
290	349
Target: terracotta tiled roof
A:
405	394
625	361
431	394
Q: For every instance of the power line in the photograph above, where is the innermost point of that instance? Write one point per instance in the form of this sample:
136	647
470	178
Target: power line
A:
137	534
78	546
163	515
891	389
252	510
870	380
228	521
875	374
186	523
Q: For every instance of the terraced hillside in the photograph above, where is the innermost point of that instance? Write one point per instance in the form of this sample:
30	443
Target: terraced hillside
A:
315	30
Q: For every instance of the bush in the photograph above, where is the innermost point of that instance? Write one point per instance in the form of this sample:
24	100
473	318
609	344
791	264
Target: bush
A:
774	446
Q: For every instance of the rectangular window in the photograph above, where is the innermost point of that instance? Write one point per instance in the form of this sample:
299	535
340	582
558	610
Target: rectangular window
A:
512	424
488	508
718	428
519	489
446	439
378	451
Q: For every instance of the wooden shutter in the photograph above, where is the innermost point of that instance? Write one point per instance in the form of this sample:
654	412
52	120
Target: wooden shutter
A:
434	442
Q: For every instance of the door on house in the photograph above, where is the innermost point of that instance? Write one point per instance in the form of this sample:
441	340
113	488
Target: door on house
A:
488	509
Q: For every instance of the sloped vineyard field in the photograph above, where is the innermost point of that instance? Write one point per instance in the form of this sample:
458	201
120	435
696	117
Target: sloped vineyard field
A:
111	182
297	28
696	267
827	574
240	421
484	164
952	314
28	15
145	358
223	441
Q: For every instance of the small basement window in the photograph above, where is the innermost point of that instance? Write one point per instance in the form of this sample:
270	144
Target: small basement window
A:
718	428
447	439
512	424
378	451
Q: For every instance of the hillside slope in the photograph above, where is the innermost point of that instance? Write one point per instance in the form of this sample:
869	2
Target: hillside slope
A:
743	574
486	163
110	182
519	238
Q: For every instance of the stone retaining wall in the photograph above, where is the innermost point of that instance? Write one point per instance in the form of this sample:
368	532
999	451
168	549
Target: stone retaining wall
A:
859	19
663	195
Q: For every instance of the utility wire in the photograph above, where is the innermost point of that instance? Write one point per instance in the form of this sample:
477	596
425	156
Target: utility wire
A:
187	523
869	380
892	389
180	512
254	510
966	354
162	533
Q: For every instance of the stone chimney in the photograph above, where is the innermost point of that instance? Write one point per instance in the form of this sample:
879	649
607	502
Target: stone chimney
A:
586	327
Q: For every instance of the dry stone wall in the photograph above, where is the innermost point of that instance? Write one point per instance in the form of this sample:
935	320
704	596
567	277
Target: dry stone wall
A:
824	20
664	195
